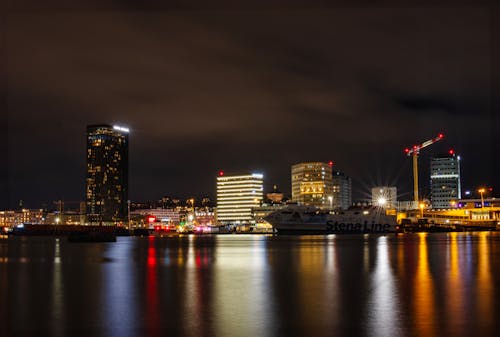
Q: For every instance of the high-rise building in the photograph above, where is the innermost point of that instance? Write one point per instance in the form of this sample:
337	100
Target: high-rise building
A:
445	180
237	195
341	190
385	196
312	184
107	173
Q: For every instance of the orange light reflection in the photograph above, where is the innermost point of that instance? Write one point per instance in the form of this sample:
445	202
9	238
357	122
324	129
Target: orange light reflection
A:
484	282
424	292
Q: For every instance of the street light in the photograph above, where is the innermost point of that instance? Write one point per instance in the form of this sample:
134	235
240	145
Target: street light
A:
422	205
481	191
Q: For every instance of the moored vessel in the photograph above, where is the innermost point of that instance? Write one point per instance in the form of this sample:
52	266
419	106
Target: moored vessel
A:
310	220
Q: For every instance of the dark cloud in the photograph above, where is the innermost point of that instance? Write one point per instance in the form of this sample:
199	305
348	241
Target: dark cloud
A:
244	90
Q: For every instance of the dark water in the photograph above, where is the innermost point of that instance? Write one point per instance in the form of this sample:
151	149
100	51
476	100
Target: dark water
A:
229	285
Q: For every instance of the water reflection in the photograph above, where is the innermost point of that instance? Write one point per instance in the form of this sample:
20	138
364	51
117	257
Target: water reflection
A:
119	297
424	292
198	290
251	285
485	290
152	307
330	284
242	295
455	288
383	315
57	305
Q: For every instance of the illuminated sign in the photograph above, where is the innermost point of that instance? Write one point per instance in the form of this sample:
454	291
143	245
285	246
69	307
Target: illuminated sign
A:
151	219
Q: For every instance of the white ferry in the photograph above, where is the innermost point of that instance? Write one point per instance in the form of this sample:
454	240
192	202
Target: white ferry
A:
310	220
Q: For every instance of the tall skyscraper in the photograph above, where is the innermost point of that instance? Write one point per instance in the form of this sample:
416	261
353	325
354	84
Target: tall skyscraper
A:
342	190
107	173
445	180
237	195
312	184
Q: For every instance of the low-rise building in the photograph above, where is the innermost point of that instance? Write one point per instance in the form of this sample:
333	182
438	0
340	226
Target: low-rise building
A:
11	218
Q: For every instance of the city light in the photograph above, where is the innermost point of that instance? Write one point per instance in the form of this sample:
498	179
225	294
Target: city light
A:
121	128
481	191
381	201
421	205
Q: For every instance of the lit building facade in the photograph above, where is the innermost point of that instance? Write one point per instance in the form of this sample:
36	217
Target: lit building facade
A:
236	196
385	196
445	181
107	173
312	184
169	215
275	196
341	190
11	218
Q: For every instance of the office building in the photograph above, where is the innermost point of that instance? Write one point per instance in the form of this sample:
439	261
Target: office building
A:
341	190
312	184
237	195
384	196
107	174
445	180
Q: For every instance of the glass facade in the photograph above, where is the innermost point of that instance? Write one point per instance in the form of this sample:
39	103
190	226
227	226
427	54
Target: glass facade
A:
342	190
445	181
312	184
107	173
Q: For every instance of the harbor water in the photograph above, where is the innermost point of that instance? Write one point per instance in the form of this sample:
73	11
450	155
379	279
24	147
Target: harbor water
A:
439	284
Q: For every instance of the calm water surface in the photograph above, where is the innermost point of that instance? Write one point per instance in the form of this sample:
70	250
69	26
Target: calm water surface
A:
253	285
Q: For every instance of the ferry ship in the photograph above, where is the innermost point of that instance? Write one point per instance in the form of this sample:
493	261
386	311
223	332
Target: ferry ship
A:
310	220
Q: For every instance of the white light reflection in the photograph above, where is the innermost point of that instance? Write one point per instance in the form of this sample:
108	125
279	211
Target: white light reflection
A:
242	287
119	294
193	289
331	283
382	315
57	293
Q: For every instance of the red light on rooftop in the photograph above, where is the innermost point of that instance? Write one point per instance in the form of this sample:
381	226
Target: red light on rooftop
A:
407	150
330	163
440	135
221	173
451	152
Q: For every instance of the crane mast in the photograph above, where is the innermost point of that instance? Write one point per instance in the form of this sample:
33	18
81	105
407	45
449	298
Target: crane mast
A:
414	151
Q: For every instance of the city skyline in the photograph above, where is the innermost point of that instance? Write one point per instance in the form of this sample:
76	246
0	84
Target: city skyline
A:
362	193
204	91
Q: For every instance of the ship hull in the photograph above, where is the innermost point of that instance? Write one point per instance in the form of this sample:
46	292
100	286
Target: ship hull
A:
332	228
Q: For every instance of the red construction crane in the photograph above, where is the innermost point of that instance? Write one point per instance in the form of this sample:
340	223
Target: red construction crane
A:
415	151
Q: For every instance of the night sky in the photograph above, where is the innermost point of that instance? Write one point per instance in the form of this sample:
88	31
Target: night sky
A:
245	88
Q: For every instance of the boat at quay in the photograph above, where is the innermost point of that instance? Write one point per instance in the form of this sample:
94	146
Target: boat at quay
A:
310	220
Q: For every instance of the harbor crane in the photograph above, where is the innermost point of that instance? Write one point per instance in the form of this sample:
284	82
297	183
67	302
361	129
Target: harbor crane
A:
414	152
